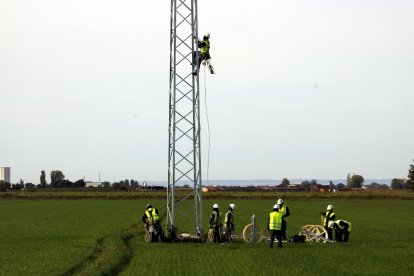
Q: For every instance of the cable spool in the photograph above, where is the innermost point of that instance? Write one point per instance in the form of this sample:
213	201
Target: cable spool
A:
251	235
314	233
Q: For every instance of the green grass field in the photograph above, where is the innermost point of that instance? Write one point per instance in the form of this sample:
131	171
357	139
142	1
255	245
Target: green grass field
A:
98	237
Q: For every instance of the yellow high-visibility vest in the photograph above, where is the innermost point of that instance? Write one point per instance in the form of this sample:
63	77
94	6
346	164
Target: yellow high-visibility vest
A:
283	210
152	215
342	227
226	217
275	222
328	217
216	219
205	49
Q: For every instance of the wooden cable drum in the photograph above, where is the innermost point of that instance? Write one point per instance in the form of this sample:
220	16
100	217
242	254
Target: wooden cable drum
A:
248	233
314	233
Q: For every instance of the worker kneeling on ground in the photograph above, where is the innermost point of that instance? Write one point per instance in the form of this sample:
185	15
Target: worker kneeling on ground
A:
285	213
215	225
342	229
275	226
228	223
328	216
152	217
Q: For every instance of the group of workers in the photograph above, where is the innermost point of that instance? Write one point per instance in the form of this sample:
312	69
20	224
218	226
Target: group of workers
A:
341	227
216	225
276	223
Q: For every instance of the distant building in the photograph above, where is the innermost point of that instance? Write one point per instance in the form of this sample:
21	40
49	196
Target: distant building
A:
5	174
93	184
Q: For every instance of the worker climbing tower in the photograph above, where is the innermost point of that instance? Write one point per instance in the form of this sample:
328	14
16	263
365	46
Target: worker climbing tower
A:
184	208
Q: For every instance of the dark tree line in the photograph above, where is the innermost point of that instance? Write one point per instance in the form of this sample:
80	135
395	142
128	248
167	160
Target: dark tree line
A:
401	183
126	185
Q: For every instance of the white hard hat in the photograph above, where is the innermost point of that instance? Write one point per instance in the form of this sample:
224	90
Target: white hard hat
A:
215	206
276	206
330	207
331	224
280	201
232	206
207	35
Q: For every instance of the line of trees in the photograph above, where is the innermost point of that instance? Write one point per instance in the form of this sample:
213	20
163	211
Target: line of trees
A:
402	183
57	180
357	181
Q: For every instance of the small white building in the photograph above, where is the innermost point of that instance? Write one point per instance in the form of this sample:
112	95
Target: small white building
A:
5	174
90	184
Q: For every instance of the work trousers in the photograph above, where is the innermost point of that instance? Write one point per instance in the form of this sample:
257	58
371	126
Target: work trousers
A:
216	235
329	231
229	234
278	235
201	57
346	236
341	235
284	229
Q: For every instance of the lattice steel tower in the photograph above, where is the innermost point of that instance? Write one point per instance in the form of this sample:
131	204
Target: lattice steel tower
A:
184	211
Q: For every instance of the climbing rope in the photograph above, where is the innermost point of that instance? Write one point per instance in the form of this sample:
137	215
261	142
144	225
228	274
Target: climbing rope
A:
208	124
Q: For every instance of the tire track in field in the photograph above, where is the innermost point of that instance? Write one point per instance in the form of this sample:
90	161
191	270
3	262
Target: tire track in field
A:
110	255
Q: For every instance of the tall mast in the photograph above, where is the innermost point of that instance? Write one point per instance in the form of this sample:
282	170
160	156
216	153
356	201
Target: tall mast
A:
184	147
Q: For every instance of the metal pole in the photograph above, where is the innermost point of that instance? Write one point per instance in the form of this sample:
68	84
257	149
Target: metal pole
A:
254	228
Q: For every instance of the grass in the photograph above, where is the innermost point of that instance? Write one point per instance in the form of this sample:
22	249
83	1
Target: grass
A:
380	243
101	237
49	237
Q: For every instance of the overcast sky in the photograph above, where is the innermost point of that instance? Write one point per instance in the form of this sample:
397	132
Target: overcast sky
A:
303	89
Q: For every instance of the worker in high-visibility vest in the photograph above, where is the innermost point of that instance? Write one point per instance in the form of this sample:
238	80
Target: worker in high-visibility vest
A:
229	222
274	225
342	229
285	212
328	216
203	54
215	224
152	217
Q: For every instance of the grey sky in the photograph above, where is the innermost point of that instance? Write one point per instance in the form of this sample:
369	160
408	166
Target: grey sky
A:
304	89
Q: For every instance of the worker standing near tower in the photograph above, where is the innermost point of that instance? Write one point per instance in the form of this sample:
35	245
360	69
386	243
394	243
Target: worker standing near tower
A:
215	224
285	213
328	216
275	226
228	223
203	54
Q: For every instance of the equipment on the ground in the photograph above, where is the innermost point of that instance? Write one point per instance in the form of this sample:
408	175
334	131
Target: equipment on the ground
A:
297	239
253	233
153	233
315	233
186	237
